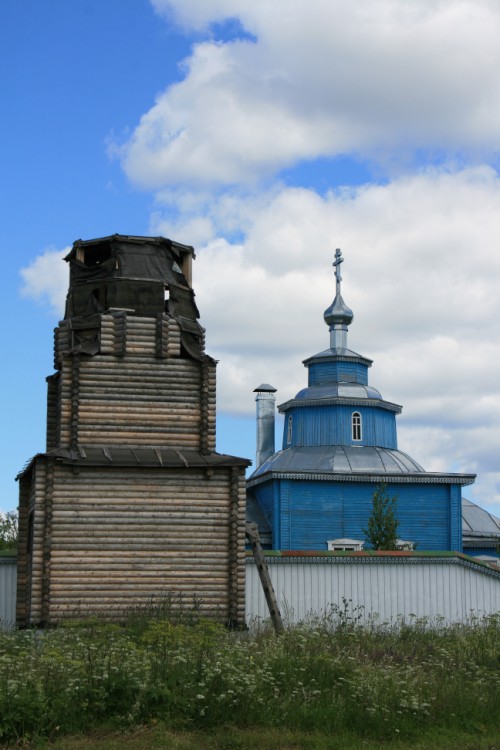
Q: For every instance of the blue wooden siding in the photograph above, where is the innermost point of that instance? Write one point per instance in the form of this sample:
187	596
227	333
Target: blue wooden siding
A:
286	514
332	425
277	513
323	373
455	518
476	551
265	497
314	511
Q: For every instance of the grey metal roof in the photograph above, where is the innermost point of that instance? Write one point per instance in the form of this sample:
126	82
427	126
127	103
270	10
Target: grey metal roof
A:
340	459
265	388
138	456
478	524
336	355
339	390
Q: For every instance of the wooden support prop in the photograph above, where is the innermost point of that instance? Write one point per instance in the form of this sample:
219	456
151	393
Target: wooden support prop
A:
252	534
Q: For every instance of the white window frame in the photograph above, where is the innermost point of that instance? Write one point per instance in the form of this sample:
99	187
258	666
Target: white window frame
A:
289	429
404	545
345	545
356	427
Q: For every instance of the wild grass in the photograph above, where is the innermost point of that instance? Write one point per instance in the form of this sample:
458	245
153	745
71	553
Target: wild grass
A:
332	676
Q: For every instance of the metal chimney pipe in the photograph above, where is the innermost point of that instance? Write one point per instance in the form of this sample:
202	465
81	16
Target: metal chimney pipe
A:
265	400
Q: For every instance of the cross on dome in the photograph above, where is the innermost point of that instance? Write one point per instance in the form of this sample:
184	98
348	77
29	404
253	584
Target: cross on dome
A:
338	316
336	264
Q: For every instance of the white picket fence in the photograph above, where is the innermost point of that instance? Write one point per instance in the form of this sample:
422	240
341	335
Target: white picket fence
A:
8	579
439	590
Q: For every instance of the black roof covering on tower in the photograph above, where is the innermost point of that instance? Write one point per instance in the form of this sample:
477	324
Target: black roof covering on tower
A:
128	256
145	276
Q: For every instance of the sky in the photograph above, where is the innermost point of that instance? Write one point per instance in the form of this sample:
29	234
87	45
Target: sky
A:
266	135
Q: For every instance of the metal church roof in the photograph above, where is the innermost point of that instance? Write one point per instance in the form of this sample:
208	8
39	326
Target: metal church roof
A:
335	355
349	463
478	524
340	458
339	390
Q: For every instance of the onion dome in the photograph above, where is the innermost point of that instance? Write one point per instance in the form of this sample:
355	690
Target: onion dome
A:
338	313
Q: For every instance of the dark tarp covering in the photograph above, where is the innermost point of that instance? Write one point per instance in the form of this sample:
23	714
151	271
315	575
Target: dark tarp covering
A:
146	298
79	272
181	305
86	339
118	256
87	346
131	273
89	321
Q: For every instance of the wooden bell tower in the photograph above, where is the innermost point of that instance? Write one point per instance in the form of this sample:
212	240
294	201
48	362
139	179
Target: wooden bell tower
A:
130	501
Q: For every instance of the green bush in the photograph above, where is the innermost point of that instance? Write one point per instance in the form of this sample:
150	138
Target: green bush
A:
9	531
382	530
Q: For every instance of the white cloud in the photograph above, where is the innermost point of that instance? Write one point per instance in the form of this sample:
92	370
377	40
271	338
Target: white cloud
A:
46	279
378	78
421	272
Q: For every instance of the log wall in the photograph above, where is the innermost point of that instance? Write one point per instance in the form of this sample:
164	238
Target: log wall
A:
113	538
134	402
136	391
120	334
32	544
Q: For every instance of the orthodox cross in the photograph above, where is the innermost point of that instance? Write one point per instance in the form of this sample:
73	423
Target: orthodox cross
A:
336	264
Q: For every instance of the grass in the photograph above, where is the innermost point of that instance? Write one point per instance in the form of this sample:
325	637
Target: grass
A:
189	683
229	738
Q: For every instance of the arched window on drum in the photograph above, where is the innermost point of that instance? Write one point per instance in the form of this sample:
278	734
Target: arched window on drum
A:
356	427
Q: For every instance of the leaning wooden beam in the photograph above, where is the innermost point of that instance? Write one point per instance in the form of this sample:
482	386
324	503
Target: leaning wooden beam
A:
253	537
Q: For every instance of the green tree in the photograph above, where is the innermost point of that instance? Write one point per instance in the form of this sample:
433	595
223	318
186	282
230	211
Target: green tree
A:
9	530
382	529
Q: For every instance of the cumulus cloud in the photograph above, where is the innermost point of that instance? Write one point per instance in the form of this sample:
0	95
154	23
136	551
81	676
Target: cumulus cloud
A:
388	82
421	274
377	78
46	279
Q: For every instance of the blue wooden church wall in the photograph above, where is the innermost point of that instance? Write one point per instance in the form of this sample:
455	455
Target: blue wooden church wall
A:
332	425
305	514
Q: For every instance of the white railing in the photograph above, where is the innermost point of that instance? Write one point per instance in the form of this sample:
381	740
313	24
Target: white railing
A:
8	575
436	590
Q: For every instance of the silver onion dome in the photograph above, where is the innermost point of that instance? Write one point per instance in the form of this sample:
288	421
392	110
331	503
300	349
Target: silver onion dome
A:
338	313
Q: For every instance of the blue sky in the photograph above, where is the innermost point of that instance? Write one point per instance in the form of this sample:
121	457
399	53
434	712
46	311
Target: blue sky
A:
267	135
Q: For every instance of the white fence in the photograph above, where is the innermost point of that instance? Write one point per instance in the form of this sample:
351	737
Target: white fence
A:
442	590
8	574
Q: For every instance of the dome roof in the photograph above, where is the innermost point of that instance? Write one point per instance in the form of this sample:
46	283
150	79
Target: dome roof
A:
339	390
340	459
338	313
477	523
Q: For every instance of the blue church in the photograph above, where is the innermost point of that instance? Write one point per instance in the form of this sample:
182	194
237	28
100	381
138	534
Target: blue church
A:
339	446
